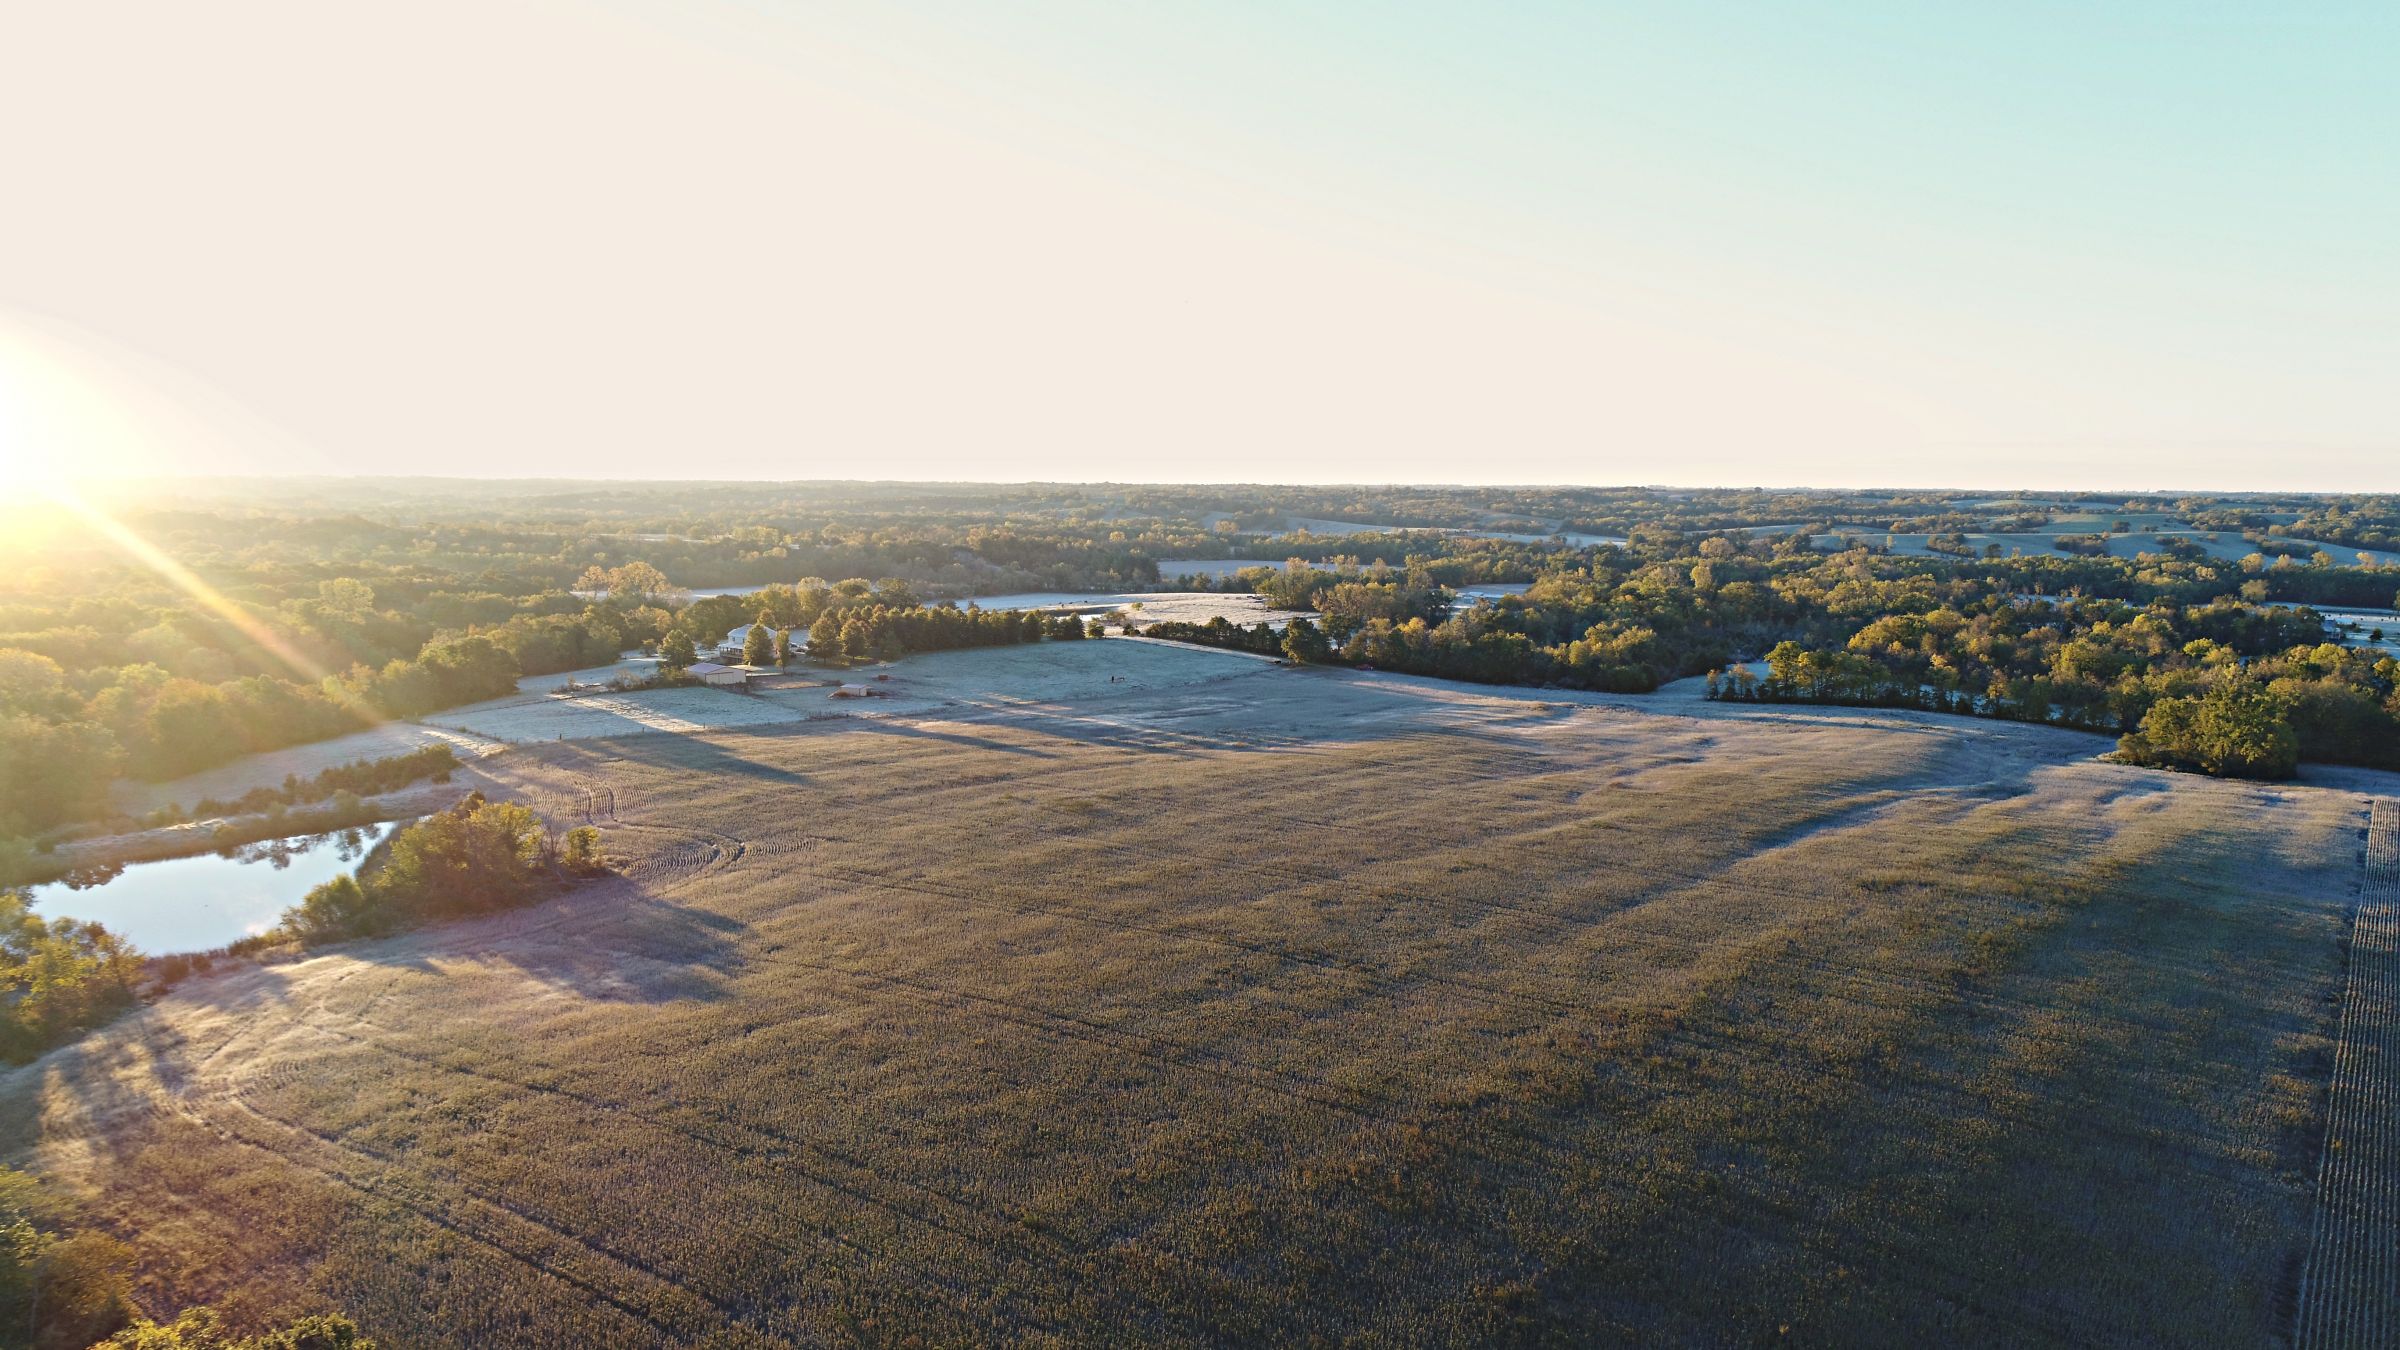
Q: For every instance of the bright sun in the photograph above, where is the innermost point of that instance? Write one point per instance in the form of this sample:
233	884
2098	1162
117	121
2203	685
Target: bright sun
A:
65	419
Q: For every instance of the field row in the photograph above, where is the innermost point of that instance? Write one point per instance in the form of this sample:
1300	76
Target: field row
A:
2351	1293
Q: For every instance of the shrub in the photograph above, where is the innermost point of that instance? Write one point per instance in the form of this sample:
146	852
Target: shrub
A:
475	857
334	909
201	1329
579	852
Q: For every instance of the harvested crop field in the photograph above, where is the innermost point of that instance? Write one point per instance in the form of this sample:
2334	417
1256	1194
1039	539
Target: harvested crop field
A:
1280	1005
2350	1295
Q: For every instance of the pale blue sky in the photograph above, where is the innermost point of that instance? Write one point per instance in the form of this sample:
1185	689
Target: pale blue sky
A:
2122	245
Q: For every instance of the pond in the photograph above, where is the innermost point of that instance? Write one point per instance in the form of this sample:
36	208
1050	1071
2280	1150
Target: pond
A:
2386	619
202	903
2375	629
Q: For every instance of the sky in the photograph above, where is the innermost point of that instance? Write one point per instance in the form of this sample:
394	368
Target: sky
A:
2126	245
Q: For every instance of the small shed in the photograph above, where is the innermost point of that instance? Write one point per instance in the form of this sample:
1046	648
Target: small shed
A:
709	672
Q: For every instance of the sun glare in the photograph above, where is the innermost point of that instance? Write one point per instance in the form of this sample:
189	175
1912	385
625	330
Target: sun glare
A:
74	413
182	578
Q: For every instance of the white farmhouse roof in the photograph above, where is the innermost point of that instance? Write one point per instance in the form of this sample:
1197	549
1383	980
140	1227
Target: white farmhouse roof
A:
704	668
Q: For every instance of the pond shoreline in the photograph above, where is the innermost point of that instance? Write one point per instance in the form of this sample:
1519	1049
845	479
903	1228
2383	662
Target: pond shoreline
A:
194	839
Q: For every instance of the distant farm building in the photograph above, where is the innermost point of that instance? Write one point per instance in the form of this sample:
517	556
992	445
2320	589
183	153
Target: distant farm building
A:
709	672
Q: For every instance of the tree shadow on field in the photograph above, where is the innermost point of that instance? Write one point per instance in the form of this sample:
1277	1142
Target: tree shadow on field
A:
611	942
914	731
1282	708
677	750
231	983
641	950
1142	730
109	1075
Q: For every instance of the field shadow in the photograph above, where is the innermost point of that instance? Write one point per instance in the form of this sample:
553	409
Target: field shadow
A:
233	983
1324	709
676	750
949	736
612	942
641	950
115	1077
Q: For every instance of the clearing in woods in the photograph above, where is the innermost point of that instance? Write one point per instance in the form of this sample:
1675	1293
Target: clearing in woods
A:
1378	1009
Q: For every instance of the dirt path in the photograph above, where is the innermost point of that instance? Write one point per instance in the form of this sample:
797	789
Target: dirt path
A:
2350	1295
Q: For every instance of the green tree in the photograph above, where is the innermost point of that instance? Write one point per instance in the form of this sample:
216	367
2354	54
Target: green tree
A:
333	910
478	855
2244	732
58	978
1305	643
82	1289
1789	669
346	597
191	726
2238	729
23	1209
31	683
579	851
52	772
758	645
636	583
678	654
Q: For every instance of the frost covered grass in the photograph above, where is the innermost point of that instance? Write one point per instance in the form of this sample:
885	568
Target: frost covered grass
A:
1283	1005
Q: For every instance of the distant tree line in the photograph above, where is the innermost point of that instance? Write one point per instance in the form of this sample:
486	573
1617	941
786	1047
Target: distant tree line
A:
60	746
1970	637
2174	683
108	670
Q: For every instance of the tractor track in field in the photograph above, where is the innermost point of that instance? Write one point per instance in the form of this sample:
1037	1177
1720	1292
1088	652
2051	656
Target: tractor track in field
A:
2350	1291
477	1223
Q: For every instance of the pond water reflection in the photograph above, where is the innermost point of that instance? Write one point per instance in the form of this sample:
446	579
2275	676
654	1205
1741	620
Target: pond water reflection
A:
204	902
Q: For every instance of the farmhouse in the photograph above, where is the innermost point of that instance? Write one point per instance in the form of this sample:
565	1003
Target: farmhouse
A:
709	672
731	647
